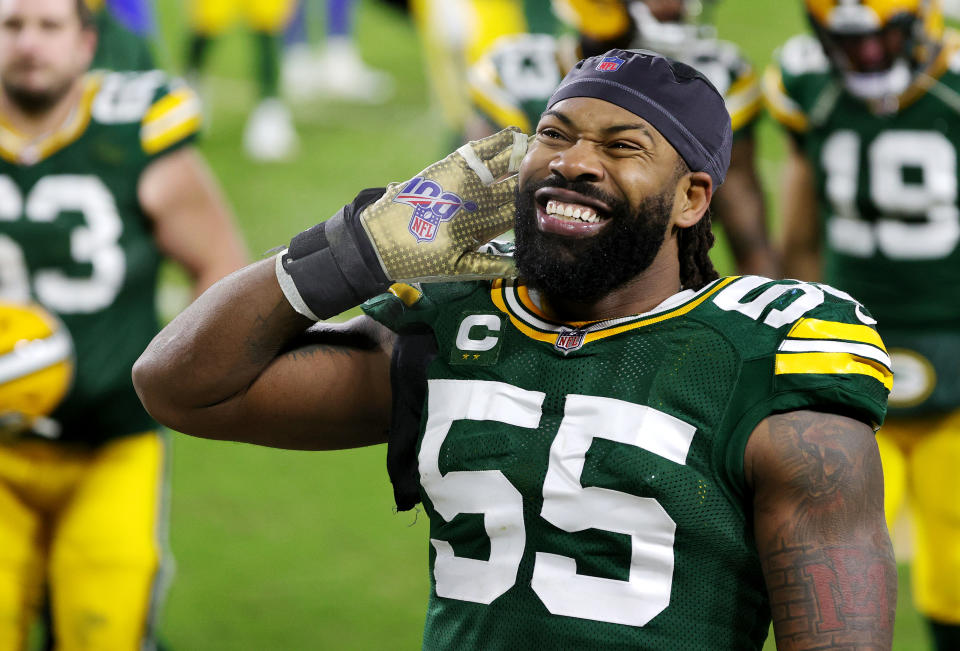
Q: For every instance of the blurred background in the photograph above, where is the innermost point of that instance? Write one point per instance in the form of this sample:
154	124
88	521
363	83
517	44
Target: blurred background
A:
294	550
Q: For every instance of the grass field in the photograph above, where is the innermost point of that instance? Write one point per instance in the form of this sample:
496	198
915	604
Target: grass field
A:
288	551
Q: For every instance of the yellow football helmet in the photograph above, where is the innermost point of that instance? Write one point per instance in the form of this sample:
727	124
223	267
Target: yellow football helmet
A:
878	46
36	366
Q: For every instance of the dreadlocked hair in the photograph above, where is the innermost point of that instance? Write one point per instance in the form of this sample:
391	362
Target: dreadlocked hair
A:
693	243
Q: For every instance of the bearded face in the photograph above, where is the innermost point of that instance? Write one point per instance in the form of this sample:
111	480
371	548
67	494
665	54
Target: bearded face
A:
584	269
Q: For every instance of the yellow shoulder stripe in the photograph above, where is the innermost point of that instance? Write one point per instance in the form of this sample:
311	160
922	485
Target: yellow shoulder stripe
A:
171	118
406	293
833	364
818	329
781	106
744	100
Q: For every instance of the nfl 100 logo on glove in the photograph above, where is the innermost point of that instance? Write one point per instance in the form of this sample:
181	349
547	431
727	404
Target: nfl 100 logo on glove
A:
431	206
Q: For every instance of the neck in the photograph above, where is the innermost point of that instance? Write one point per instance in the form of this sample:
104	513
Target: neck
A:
654	285
35	125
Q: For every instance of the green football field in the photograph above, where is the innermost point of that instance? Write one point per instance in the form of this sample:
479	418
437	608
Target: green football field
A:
292	550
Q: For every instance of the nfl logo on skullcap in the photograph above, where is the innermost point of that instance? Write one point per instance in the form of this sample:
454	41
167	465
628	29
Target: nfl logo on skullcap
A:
610	64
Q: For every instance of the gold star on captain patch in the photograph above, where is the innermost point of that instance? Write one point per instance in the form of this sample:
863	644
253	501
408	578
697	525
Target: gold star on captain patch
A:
476	356
466	356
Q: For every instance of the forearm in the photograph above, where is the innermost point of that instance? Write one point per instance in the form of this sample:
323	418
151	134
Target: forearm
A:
217	346
821	534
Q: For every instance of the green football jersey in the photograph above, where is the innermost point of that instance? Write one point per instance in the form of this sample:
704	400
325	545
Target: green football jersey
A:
74	237
887	190
584	482
511	84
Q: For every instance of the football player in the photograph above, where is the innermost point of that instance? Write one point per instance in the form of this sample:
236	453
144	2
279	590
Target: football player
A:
513	80
870	205
618	448
98	182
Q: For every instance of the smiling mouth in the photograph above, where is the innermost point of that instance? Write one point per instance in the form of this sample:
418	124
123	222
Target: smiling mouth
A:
572	211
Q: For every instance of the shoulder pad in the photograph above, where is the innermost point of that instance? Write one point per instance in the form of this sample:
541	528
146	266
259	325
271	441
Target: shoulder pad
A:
820	330
801	55
792	83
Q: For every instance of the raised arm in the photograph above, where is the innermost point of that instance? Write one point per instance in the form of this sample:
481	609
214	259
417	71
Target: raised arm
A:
240	364
820	531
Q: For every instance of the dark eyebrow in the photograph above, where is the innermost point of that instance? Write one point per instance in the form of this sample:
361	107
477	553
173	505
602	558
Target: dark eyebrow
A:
617	128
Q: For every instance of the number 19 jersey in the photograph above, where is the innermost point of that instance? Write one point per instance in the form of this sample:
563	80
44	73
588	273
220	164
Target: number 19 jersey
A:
584	481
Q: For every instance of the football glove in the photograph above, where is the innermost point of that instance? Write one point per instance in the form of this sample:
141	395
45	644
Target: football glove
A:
426	229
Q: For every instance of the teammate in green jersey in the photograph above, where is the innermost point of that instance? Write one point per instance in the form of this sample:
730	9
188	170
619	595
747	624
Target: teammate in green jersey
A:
618	449
870	201
98	182
511	83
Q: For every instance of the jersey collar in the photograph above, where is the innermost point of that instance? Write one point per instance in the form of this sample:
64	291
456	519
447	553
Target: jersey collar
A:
520	304
20	150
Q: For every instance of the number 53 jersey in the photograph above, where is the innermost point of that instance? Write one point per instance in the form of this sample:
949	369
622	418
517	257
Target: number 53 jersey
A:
584	481
74	237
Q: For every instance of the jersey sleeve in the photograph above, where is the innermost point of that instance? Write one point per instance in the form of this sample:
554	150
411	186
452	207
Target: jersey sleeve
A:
791	82
825	355
402	308
173	118
744	98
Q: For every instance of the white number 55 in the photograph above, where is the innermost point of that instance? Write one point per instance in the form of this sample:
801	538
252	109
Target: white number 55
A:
567	504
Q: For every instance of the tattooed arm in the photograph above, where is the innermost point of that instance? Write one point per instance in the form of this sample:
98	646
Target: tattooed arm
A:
239	364
820	531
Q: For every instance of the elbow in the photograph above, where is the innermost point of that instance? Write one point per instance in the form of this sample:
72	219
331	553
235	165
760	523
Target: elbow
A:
156	388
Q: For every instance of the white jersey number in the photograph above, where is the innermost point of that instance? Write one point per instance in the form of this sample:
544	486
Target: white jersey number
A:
95	242
919	220
567	504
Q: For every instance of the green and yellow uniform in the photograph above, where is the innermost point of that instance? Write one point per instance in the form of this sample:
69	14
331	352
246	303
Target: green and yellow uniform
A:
80	507
887	181
511	84
585	482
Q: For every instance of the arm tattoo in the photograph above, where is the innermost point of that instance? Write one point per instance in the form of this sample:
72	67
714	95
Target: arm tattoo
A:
824	547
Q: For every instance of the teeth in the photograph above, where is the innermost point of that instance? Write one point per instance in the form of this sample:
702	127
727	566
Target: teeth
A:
579	213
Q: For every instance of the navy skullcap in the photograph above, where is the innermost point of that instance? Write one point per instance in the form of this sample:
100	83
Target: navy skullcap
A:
673	97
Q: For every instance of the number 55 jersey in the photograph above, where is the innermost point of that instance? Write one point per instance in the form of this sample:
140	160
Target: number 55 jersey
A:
74	237
886	179
584	481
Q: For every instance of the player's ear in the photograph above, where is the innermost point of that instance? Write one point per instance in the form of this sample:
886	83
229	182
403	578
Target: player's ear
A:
694	191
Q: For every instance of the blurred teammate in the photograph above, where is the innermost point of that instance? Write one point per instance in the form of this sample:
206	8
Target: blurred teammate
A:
456	33
269	134
617	449
510	85
872	106
97	183
118	46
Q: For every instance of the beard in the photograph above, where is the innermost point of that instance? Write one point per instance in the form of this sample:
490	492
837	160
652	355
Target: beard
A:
585	269
33	101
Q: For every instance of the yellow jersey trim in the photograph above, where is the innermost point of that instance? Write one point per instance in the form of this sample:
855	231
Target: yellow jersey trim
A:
925	81
596	329
406	293
832	364
819	329
781	106
170	119
19	150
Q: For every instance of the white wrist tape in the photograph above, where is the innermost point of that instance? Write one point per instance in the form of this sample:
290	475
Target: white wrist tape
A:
289	289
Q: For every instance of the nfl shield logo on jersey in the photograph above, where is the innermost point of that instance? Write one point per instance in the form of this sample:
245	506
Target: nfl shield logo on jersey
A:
431	206
610	64
569	340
